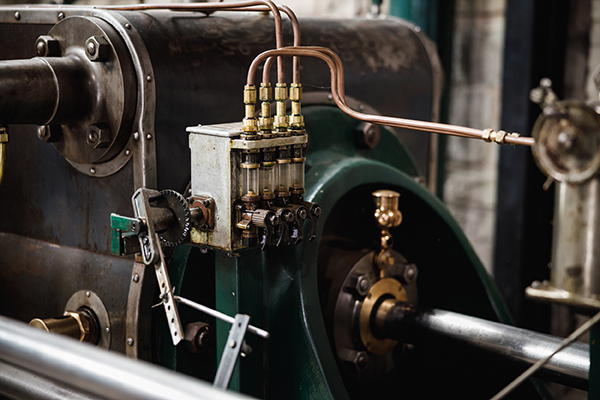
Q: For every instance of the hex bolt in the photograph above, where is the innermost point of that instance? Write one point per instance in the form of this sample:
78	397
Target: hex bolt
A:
197	337
361	361
410	274
98	136
47	46
49	134
97	48
367	135
358	284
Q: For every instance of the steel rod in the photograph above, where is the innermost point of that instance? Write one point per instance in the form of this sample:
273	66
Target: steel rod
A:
569	366
98	372
223	317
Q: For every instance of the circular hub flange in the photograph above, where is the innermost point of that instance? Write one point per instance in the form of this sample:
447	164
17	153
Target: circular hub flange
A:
91	301
104	102
567	142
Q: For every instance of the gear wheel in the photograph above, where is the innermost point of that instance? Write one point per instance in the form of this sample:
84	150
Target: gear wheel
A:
178	205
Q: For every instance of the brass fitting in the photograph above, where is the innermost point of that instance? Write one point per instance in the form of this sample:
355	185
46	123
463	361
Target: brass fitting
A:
280	121
296	92
76	324
490	135
296	120
387	217
265	92
249	123
281	92
249	94
3	141
265	121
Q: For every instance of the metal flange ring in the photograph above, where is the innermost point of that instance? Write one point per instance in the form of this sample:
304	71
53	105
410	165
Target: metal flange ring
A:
386	288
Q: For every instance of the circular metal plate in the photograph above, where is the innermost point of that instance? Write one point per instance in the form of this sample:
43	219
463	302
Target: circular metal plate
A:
386	288
112	86
89	299
567	142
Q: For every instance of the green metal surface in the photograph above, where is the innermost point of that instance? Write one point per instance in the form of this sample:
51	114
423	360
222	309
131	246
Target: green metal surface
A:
279	288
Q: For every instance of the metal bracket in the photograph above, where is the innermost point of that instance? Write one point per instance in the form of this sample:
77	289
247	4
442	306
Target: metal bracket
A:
231	351
152	255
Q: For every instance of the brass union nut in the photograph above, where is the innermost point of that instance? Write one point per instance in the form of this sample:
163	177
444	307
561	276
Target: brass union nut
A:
265	92
249	94
295	92
281	92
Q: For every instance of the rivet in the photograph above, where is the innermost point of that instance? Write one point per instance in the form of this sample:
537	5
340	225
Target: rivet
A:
107	329
87	294
136	135
232	343
149	78
330	96
135	278
129	341
92	170
17	15
128	26
149	136
361	107
127	152
61	16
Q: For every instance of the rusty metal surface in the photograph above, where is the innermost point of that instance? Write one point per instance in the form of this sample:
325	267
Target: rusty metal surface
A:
38	278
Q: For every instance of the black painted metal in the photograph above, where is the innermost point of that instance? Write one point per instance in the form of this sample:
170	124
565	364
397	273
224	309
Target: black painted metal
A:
534	48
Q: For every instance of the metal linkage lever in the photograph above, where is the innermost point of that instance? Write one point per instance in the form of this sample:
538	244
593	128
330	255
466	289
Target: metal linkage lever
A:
231	352
267	220
235	341
314	210
300	214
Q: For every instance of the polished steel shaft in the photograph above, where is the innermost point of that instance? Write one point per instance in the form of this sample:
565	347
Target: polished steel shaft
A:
98	372
570	366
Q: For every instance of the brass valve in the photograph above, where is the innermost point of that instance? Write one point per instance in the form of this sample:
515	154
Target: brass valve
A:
387	217
80	325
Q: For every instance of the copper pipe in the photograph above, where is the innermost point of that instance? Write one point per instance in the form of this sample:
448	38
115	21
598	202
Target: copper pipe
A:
241	6
434	127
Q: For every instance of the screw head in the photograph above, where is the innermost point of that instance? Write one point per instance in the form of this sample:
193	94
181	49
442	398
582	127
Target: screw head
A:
129	341
135	278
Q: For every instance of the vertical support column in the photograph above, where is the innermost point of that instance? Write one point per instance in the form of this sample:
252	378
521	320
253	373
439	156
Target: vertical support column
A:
239	286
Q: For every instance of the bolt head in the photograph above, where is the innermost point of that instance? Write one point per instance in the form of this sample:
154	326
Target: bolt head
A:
47	46
410	274
197	336
98	136
97	48
361	361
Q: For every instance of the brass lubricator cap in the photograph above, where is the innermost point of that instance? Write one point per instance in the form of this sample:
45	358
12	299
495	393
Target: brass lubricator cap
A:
387	217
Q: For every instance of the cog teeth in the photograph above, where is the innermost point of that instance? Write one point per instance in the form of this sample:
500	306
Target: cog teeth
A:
180	207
